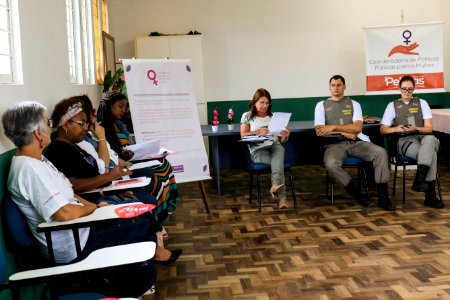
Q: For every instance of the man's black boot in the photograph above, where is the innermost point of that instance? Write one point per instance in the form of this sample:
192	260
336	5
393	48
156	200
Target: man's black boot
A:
419	184
431	199
356	193
383	197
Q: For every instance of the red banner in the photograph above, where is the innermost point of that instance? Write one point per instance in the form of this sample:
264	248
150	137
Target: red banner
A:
390	82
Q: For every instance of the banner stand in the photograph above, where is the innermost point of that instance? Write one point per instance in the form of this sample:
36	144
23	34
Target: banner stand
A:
163	106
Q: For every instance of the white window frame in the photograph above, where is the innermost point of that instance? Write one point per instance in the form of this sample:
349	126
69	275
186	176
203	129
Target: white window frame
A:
80	41
13	43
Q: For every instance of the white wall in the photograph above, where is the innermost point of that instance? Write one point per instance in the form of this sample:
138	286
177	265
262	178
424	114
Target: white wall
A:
291	47
45	60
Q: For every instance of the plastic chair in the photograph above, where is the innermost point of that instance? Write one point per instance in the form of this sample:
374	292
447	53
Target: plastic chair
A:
398	160
260	168
21	243
349	162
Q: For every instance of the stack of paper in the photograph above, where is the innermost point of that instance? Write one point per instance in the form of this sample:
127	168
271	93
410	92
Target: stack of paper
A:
144	149
256	138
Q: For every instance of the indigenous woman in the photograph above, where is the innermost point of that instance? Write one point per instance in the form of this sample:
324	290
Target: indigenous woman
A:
110	112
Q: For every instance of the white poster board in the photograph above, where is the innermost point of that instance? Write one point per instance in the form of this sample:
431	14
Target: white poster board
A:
395	51
163	106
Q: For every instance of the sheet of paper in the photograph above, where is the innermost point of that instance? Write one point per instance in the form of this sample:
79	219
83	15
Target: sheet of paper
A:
279	122
145	164
255	138
144	149
163	152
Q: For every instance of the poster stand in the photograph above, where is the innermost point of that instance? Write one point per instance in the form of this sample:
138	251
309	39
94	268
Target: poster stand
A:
162	105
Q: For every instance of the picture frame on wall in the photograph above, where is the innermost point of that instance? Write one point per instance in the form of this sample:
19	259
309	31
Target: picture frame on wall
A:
109	53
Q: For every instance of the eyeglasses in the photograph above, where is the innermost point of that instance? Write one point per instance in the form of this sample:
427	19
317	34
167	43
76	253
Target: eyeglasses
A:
407	90
50	123
83	124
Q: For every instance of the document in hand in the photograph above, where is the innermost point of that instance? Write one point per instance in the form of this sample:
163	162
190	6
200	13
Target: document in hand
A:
278	122
255	138
144	149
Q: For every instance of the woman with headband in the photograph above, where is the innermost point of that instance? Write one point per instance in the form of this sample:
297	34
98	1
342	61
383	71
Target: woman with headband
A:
111	110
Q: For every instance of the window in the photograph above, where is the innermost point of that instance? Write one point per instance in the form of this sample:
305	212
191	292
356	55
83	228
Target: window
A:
10	64
80	41
87	41
100	24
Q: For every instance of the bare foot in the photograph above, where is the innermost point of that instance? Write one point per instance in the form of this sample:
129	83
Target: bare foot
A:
162	253
283	204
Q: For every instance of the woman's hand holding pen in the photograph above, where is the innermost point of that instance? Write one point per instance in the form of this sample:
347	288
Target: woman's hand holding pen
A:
262	131
118	171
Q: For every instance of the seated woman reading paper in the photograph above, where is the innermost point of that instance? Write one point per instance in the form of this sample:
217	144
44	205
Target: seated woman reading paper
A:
256	122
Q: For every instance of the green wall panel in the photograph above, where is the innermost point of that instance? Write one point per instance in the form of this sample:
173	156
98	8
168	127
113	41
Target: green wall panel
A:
303	108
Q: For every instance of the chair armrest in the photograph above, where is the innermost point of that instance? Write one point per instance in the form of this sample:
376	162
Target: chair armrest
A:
103	213
143	182
137	253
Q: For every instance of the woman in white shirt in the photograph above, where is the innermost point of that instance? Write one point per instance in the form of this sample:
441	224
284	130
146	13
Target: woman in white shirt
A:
256	122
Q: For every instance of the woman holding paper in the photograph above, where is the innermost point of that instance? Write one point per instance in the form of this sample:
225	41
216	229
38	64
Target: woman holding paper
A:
160	186
256	122
82	168
111	110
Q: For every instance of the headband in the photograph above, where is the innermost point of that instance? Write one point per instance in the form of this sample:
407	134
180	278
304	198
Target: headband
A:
71	112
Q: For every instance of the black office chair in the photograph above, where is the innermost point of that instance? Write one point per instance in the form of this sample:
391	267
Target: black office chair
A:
259	168
349	162
398	160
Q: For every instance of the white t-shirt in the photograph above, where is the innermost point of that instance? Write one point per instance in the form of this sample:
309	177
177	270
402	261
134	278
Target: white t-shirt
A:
389	113
319	117
255	124
39	190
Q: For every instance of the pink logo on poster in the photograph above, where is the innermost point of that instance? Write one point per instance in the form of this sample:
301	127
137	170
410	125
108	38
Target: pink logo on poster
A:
151	74
133	210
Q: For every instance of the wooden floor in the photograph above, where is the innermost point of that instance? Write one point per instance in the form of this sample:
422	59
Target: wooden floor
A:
316	251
